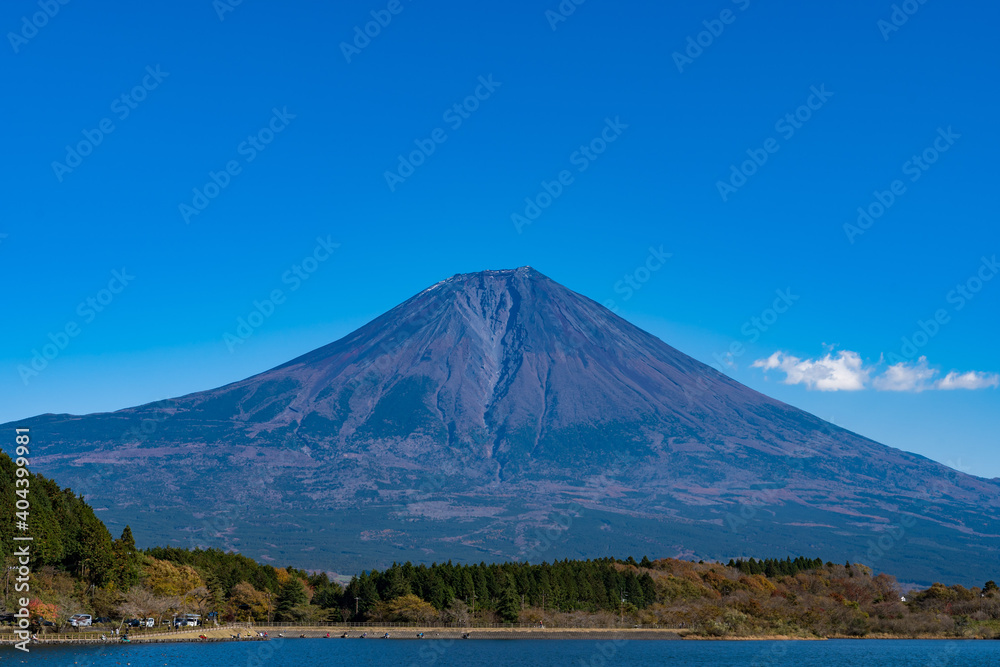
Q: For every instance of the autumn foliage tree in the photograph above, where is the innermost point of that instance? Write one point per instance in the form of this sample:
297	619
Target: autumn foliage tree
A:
247	603
405	609
41	611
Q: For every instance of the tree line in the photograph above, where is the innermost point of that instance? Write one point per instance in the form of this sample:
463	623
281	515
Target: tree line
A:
78	567
774	567
504	588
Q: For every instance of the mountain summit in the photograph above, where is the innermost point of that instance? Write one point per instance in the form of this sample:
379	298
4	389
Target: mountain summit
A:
501	415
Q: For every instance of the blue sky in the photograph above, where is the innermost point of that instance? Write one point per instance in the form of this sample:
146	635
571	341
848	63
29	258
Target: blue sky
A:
205	150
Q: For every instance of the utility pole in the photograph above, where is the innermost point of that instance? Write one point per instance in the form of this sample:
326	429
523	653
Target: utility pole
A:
623	609
357	600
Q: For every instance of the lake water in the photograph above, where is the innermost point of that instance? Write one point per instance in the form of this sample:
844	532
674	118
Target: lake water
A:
307	652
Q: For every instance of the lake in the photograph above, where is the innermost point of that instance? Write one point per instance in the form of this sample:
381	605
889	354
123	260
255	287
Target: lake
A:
459	653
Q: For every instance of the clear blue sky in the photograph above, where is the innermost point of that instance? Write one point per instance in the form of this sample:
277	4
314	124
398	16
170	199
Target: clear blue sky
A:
206	85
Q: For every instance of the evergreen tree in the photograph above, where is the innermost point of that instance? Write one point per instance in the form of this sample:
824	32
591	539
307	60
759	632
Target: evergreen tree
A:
634	593
398	585
648	589
438	593
127	568
466	587
368	594
94	559
216	593
510	603
481	596
292	594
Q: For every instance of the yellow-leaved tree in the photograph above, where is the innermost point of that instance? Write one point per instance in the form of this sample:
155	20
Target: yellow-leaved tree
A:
247	603
405	608
165	579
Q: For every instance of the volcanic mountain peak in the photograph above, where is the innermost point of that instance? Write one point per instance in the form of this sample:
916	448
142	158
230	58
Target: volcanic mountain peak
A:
482	406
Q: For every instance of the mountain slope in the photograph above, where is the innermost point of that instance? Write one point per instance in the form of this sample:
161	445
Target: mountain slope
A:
499	414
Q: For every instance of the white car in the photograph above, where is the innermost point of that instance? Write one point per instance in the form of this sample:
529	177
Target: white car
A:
150	622
80	620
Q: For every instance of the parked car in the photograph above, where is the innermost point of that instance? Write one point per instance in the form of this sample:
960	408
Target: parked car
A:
133	622
150	622
102	620
81	620
187	621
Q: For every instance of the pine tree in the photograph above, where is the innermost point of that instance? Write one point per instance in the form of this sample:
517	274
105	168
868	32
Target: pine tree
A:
292	594
510	603
467	587
438	593
216	592
398	585
126	561
368	594
482	592
95	557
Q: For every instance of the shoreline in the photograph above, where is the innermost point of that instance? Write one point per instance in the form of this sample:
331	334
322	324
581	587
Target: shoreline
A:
215	635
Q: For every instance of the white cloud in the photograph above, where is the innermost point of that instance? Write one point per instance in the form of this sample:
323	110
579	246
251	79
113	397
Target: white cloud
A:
969	380
843	372
906	377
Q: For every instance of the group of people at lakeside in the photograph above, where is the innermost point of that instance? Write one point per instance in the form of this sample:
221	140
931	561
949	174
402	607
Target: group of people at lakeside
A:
364	635
114	634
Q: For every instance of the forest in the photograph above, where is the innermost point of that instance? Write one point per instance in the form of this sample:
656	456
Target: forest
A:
79	567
